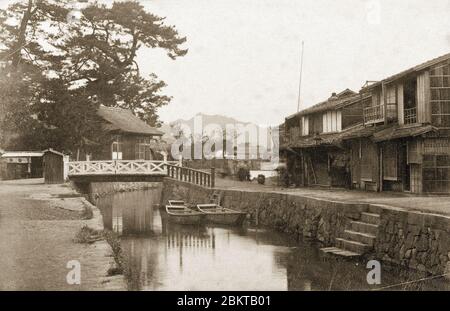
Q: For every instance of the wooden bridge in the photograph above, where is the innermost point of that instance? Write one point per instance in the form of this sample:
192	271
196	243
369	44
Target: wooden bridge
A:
137	170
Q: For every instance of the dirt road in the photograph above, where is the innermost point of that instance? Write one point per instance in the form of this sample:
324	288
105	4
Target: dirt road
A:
38	223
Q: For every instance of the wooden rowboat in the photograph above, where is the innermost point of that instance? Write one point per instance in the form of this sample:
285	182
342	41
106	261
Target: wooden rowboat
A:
181	214
220	215
176	202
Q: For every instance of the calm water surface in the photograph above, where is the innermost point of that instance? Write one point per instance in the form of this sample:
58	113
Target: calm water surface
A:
166	256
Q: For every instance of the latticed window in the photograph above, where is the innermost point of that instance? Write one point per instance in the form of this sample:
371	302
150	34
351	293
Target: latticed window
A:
332	121
368	159
391	102
414	155
436	165
143	148
391	96
390	161
440	95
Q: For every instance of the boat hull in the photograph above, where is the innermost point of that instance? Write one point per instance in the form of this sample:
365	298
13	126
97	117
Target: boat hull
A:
225	218
186	219
180	214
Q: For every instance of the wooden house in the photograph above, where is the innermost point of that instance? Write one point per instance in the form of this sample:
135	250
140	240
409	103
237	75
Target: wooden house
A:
128	137
405	142
313	140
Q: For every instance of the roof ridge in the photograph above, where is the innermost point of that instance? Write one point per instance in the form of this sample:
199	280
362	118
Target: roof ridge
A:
125	120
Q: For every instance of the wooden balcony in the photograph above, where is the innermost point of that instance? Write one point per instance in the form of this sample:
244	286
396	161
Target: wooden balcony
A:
374	114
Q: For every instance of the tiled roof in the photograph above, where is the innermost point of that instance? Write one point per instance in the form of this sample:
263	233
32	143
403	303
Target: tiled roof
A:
342	99
389	132
331	139
377	134
419	67
123	120
400	131
52	151
364	132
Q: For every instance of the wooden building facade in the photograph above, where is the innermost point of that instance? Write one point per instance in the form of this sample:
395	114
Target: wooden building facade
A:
128	137
402	142
313	144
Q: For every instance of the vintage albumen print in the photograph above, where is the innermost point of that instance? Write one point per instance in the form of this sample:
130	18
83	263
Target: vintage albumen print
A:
169	145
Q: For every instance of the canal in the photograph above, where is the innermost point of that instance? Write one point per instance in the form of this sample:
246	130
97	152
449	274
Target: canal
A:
161	255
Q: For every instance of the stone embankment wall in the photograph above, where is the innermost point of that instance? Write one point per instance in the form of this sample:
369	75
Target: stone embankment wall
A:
412	239
416	240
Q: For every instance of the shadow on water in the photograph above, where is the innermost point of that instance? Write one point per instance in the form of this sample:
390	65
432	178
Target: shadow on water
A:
166	256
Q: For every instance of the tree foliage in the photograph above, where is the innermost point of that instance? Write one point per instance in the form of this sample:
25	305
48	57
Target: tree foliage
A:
57	70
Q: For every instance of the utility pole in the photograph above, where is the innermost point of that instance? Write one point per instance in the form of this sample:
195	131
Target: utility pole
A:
300	80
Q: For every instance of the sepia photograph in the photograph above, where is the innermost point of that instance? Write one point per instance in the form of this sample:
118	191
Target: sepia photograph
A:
253	146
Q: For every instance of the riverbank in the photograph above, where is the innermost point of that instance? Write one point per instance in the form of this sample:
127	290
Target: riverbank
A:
415	239
38	225
436	204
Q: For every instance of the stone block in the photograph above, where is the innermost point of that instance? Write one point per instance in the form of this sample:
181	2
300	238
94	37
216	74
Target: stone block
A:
408	254
415	219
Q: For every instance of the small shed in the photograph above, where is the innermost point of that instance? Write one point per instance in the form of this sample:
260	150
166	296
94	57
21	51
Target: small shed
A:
21	164
53	167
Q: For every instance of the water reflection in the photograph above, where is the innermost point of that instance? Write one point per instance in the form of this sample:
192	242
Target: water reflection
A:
167	256
126	214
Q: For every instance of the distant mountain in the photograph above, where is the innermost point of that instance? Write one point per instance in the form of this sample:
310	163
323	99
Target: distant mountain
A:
167	129
210	119
206	119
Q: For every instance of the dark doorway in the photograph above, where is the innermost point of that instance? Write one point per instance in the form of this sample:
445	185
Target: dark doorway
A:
404	167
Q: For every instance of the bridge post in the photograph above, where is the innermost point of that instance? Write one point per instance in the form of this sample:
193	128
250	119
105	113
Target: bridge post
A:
213	177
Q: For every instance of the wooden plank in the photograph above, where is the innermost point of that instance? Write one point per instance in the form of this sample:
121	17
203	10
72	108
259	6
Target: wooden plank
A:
400	104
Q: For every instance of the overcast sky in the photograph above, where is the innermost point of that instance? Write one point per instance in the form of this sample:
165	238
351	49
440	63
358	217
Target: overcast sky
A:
244	55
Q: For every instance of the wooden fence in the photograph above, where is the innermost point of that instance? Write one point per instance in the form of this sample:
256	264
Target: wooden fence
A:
197	177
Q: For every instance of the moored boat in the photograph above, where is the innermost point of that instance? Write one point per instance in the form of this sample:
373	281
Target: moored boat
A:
220	215
181	214
176	202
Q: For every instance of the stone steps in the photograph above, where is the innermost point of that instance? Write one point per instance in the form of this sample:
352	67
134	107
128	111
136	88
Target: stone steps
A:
374	209
363	227
365	238
353	246
370	218
359	236
339	252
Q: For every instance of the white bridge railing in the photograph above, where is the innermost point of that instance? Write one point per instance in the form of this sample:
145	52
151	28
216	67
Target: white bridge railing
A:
120	167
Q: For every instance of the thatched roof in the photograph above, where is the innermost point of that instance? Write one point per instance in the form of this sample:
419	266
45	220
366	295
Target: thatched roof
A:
122	120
